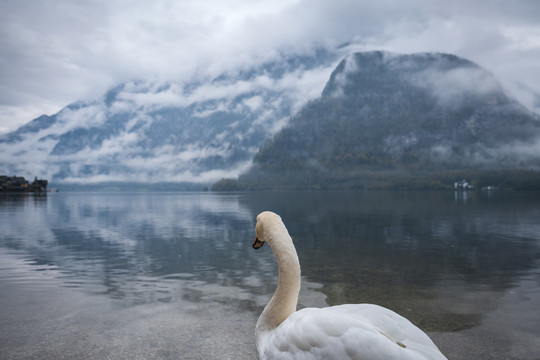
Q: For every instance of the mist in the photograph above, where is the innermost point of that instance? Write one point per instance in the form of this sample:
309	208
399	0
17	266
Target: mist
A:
125	66
58	52
164	131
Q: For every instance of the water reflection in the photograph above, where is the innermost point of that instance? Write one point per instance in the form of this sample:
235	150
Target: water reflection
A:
413	239
409	251
125	246
423	236
442	261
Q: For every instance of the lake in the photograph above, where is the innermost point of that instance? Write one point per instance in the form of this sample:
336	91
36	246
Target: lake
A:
174	276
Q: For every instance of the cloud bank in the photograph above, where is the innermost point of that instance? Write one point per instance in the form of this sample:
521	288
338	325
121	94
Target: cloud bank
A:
56	52
164	131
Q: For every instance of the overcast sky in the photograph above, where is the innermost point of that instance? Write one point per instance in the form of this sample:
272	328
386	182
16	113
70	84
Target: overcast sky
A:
55	52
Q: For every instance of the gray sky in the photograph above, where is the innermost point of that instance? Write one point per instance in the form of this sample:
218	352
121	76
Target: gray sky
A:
54	52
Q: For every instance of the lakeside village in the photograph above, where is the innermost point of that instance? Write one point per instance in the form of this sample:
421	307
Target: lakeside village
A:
465	186
18	184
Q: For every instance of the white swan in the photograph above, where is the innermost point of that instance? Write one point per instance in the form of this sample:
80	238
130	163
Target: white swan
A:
359	331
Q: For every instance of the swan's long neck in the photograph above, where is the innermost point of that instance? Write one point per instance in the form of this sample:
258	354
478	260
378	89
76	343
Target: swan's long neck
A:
284	301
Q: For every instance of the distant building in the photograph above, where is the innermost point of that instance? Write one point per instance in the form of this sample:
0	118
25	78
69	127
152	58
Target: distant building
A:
39	185
463	185
20	184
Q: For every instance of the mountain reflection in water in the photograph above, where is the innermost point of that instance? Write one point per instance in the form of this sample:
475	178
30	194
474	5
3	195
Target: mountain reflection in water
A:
173	269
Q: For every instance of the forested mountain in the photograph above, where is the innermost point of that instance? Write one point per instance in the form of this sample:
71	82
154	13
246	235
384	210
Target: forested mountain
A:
145	132
372	120
389	120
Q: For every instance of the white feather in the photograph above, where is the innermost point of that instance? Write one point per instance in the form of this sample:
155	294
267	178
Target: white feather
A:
352	331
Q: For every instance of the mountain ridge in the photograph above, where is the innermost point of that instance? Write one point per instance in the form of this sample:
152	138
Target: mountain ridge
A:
311	119
385	116
167	131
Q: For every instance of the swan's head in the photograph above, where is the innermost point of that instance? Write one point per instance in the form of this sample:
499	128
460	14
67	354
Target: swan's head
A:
264	219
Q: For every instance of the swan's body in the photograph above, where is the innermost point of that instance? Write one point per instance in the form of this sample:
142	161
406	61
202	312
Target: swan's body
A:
353	331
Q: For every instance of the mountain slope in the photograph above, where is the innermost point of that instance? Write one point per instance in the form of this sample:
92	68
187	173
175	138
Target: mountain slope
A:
193	131
407	114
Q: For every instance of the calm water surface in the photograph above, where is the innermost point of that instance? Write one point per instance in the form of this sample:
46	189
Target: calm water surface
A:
173	275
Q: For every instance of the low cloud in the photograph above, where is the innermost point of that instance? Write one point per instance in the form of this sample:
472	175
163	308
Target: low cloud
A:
452	87
341	80
56	52
129	151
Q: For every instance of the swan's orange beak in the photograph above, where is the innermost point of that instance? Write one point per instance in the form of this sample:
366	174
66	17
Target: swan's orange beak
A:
258	243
